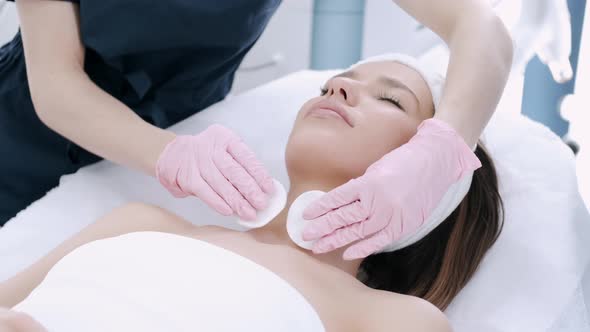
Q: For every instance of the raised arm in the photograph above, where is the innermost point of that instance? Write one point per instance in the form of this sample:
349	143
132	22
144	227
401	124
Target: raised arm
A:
68	102
480	60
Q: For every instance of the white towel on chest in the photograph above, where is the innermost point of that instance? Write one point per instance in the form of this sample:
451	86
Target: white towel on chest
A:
153	281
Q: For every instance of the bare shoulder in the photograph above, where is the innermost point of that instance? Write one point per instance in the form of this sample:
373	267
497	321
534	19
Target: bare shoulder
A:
397	312
137	216
129	218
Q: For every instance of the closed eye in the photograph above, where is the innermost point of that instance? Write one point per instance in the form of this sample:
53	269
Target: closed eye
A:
392	100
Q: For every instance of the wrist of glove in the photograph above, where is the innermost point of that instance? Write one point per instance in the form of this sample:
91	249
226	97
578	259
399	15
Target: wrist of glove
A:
439	154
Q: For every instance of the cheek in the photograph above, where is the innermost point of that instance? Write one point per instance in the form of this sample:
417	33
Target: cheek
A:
380	131
323	146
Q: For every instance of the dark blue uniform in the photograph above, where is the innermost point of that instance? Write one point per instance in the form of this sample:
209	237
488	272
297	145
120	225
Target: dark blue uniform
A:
166	60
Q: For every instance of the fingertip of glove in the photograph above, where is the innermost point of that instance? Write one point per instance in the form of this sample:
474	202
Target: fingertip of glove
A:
260	202
310	213
309	234
268	186
224	210
247	213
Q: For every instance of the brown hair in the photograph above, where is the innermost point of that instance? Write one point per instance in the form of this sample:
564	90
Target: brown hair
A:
437	267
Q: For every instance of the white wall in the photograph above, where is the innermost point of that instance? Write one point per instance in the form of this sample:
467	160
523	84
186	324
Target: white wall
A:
389	29
8	22
283	48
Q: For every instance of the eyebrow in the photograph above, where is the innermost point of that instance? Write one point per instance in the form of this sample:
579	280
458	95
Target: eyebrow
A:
397	84
385	80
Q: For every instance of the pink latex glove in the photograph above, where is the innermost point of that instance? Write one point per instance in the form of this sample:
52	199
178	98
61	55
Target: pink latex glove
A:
395	195
218	168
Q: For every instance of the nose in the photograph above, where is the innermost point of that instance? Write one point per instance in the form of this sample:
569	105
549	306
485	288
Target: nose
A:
343	89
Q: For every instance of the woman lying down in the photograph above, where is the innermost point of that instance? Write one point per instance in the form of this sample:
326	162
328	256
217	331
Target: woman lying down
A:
141	268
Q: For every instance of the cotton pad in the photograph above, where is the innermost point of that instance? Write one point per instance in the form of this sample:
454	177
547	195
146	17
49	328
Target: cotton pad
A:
295	221
275	206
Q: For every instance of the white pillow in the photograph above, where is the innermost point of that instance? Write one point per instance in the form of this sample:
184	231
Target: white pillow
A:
523	284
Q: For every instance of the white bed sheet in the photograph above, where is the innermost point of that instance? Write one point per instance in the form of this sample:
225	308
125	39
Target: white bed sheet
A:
514	290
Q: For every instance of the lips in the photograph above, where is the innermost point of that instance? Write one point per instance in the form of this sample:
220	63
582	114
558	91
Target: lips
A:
328	108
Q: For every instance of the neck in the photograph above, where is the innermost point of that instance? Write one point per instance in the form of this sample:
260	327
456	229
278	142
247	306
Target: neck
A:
276	231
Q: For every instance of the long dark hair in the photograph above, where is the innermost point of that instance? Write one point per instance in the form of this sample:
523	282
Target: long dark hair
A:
437	267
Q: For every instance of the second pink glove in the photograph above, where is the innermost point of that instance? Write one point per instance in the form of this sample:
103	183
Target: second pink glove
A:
218	168
395	195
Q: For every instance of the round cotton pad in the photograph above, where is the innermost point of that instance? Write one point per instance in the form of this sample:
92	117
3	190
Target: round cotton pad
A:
275	206
295	221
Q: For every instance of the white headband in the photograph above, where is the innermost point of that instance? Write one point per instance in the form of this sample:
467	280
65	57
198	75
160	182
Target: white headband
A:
433	79
457	191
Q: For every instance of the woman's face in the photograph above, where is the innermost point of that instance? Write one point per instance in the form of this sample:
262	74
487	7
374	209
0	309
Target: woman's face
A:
359	116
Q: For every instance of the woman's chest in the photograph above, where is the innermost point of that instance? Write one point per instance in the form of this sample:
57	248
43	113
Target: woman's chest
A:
334	295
